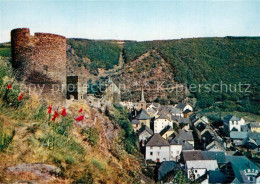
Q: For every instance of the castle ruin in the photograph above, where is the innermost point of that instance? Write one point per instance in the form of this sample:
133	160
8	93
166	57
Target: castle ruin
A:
41	59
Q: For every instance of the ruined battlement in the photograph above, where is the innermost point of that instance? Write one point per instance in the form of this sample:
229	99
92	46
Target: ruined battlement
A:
39	58
42	53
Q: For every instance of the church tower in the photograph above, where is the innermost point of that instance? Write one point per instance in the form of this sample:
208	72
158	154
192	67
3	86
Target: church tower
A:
142	102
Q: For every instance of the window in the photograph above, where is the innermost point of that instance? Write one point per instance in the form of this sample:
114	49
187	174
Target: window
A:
250	178
151	153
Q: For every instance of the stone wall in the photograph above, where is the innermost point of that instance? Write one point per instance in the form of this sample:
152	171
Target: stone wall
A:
40	59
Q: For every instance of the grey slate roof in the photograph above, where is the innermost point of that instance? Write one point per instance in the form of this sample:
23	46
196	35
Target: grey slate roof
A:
235	118
163	111
175	118
143	115
202	164
186	136
241	163
192	155
152	110
135	121
181	105
187	146
249	140
166	167
184	120
245	128
175	111
238	135
164	116
254	136
168	128
156	105
157	140
214	155
255	124
175	141
231	118
216	177
145	128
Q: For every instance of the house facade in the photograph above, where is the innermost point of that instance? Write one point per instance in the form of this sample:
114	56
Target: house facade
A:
161	122
197	168
157	149
233	123
144	133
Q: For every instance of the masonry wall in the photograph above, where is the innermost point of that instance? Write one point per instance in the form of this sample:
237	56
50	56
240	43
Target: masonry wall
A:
39	59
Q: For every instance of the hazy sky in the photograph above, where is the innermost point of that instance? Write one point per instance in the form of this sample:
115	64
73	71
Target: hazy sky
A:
133	20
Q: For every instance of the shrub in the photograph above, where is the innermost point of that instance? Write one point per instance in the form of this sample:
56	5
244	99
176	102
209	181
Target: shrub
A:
6	138
91	135
70	160
120	116
40	113
98	165
86	179
63	127
61	143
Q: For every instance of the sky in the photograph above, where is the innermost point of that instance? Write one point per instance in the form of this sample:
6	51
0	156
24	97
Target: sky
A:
131	19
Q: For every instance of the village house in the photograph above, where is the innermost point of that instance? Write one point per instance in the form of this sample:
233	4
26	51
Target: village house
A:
177	145
186	136
165	170
162	122
255	127
197	168
152	112
245	171
176	112
142	118
144	133
167	132
233	123
199	164
237	137
184	106
216	146
176	149
157	149
154	106
249	140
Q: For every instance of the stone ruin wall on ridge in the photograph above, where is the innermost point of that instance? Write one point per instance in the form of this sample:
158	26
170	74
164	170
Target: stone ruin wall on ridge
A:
40	59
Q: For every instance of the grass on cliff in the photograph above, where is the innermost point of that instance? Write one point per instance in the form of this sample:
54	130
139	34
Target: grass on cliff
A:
119	115
27	135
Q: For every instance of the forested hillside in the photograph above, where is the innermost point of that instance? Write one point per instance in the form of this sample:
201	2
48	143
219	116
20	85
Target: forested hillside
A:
229	60
210	61
101	54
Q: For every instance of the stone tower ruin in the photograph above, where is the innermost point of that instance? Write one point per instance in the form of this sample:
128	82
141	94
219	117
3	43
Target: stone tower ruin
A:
40	59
